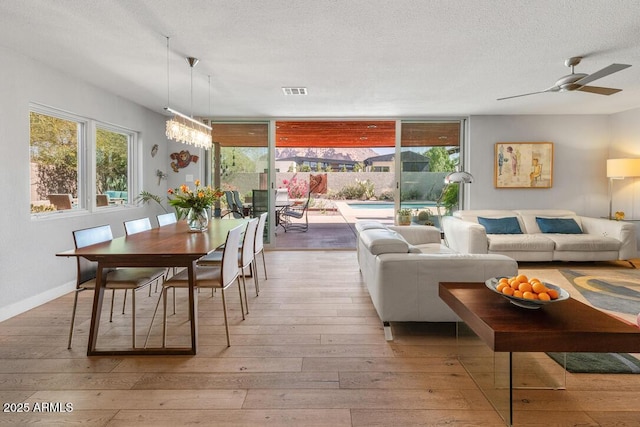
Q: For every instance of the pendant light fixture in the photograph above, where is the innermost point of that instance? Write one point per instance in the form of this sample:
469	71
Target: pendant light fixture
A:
182	128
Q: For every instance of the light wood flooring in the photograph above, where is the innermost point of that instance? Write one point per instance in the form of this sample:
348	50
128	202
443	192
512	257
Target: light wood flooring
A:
311	352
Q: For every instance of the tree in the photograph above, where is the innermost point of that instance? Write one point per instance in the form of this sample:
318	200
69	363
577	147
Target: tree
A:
54	152
111	161
440	160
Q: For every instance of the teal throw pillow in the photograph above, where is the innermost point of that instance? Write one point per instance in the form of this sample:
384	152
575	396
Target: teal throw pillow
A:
508	225
558	225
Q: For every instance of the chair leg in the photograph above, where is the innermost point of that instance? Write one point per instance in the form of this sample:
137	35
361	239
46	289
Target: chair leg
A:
240	292
164	316
254	269
133	316
152	319
113	297
124	301
244	286
264	265
226	323
73	317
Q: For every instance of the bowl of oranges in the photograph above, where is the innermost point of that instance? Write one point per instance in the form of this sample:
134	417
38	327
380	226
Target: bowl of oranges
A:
527	292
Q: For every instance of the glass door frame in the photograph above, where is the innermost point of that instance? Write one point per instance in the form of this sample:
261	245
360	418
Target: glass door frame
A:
463	161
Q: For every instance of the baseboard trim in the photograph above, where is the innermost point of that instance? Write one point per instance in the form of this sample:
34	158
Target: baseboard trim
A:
35	301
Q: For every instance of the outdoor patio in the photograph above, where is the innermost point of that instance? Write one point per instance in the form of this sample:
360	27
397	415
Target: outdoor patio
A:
331	228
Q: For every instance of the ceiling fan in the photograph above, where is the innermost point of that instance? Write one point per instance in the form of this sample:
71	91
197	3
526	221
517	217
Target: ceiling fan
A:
578	81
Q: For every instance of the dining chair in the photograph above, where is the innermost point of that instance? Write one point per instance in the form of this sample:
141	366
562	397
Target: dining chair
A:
114	279
166	219
137	226
258	248
246	258
220	276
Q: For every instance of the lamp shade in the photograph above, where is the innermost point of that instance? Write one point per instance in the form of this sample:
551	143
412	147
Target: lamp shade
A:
621	168
462	177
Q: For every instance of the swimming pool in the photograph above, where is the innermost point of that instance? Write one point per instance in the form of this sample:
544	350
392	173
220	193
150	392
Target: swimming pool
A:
389	205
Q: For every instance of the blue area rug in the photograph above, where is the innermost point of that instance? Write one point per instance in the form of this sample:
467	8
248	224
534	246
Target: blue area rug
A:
613	290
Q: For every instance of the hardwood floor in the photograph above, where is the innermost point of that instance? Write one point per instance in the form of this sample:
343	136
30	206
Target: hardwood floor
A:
311	352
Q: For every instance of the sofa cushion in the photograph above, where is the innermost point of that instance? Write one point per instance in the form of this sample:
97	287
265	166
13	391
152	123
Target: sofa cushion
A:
558	225
584	242
368	225
506	225
519	242
528	217
383	241
431	248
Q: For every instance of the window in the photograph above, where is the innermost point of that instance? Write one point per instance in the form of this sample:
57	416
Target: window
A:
64	177
112	153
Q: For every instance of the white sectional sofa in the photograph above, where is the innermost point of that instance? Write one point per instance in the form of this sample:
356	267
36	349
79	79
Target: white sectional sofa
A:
594	239
403	266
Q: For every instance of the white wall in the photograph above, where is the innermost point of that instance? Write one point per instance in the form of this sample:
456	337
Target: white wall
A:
625	143
30	272
581	145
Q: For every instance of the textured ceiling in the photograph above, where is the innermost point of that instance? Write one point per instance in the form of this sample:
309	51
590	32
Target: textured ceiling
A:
358	58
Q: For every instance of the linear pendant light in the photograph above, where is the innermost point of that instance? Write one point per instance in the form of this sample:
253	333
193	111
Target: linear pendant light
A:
182	128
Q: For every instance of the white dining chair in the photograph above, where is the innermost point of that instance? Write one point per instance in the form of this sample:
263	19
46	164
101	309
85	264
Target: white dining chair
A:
220	276
115	279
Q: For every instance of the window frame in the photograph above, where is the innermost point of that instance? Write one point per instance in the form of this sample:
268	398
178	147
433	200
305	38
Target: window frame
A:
86	165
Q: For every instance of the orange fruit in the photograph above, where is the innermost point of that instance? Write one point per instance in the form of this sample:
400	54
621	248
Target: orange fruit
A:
525	287
517	294
553	294
543	296
501	286
522	278
538	287
507	290
528	295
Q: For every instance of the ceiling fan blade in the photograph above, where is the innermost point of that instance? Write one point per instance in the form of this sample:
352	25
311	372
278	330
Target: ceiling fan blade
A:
551	89
599	90
613	68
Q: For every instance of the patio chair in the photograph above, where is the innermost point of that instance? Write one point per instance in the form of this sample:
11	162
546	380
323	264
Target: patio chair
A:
238	202
102	200
295	212
234	210
60	201
115	279
220	276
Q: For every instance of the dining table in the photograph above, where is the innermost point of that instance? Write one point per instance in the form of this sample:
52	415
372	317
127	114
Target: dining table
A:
172	245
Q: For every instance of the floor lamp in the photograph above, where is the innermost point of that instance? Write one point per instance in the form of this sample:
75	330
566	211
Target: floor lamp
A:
620	169
453	178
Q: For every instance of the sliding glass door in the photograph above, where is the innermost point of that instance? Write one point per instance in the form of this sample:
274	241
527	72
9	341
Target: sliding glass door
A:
428	151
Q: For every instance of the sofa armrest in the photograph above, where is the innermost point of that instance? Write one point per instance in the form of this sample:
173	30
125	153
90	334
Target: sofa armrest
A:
623	231
464	236
417	235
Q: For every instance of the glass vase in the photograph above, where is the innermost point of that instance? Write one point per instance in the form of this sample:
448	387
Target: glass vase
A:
197	219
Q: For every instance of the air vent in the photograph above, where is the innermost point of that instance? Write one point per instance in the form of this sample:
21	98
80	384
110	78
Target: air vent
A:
294	90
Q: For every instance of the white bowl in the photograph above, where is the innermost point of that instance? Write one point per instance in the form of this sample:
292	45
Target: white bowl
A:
528	303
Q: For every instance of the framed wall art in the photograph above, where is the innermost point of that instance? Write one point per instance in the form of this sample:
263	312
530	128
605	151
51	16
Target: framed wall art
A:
523	165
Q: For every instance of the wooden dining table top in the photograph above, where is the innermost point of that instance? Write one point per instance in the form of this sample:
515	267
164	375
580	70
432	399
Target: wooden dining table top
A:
173	240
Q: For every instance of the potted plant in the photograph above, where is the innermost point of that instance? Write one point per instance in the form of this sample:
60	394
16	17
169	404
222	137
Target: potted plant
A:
404	217
422	217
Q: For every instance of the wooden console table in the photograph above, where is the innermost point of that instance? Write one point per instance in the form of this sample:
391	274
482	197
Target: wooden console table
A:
566	326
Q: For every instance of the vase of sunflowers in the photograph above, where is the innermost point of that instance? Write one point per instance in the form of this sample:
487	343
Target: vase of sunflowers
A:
196	202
